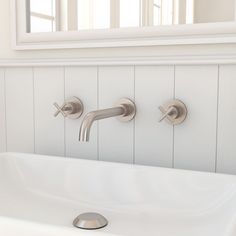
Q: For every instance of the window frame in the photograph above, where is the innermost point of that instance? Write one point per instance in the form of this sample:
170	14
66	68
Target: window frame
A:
208	33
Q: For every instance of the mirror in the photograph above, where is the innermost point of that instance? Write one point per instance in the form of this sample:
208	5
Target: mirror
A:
77	15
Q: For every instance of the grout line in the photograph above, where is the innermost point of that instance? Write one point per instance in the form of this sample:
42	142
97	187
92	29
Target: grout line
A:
217	117
98	157
34	124
134	122
173	131
5	108
64	78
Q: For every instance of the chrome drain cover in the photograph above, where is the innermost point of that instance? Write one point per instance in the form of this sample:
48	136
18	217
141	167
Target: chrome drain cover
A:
90	221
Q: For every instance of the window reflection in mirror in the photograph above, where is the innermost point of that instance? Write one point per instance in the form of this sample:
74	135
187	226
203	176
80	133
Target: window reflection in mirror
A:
75	15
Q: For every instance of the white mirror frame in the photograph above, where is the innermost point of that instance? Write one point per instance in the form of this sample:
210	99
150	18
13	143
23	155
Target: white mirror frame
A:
208	33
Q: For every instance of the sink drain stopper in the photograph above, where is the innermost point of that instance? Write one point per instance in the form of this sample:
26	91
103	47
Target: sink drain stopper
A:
90	221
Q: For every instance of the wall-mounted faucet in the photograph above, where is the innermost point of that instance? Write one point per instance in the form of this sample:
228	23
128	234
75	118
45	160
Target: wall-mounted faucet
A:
125	110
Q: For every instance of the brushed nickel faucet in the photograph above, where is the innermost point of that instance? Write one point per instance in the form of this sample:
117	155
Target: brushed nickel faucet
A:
174	112
72	108
125	110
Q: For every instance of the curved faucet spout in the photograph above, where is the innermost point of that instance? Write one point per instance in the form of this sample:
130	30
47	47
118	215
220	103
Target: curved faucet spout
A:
92	116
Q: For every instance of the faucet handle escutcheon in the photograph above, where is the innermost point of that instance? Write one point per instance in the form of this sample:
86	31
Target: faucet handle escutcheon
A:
72	108
174	111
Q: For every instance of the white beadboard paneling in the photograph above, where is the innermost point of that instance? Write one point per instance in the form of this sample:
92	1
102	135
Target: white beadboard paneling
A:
193	143
195	139
115	137
2	112
226	156
82	83
153	140
19	109
49	130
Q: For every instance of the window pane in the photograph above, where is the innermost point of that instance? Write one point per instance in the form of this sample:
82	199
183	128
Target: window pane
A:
40	25
42	6
157	12
167	12
83	14
101	11
129	13
189	11
93	14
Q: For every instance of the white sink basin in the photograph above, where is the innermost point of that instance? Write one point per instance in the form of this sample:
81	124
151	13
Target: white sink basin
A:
41	196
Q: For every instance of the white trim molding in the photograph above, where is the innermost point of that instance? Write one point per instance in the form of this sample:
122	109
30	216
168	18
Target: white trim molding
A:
210	33
118	61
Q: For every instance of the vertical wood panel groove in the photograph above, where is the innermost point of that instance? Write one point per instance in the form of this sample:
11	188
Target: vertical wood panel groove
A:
64	84
173	137
34	105
154	87
3	137
195	139
49	130
217	118
5	109
134	126
81	82
98	79
226	161
115	137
